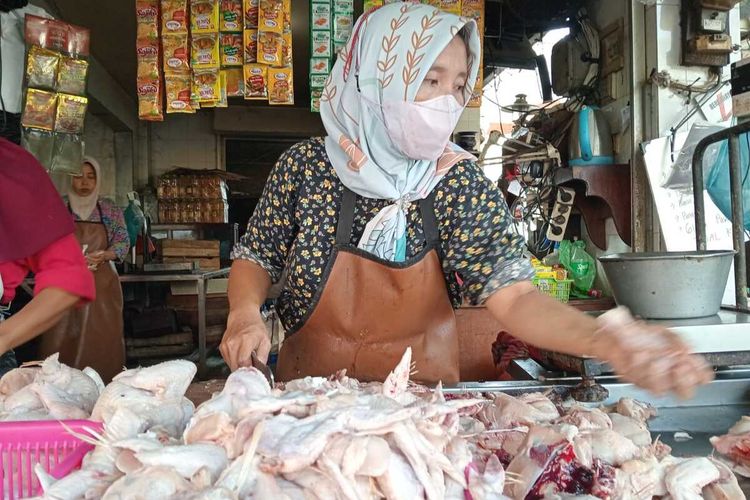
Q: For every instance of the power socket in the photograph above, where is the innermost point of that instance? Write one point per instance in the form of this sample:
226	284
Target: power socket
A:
561	214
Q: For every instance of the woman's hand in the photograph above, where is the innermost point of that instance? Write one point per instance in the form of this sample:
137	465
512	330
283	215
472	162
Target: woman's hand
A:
246	333
649	356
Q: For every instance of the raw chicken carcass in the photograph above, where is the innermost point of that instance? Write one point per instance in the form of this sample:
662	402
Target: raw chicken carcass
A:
507	411
150	483
586	418
686	479
633	429
726	487
736	446
638	410
607	446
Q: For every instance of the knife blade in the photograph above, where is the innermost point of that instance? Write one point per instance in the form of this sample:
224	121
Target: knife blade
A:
262	367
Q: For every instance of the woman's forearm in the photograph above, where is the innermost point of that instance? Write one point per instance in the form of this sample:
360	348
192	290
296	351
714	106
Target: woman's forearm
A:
39	315
248	286
542	321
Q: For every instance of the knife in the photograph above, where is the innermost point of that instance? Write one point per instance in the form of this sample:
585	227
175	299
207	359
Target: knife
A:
262	367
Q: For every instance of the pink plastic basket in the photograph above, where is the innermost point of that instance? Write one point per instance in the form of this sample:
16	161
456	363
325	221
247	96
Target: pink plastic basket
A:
45	442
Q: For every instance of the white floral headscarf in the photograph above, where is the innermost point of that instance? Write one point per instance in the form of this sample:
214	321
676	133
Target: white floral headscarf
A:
390	52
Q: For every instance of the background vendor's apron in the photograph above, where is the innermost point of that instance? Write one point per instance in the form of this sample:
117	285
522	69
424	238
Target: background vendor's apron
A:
92	335
8	358
367	311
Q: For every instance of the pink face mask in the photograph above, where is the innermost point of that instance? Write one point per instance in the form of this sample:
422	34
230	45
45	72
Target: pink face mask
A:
421	130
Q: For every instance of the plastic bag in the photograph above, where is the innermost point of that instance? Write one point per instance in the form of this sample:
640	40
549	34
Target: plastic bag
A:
580	265
717	180
680	174
134	218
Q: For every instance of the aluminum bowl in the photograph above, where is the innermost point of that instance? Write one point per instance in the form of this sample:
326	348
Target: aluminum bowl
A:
669	285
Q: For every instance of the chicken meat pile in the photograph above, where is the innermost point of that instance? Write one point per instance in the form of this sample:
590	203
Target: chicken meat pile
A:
338	438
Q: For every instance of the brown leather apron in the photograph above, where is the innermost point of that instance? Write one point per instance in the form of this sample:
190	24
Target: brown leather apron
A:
92	335
367	311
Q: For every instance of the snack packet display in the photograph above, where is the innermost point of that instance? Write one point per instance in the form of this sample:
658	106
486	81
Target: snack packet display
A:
256	84
205	51
232	51
207	85
42	68
280	86
251	10
321	16
271	16
235	82
204	16
179	94
41	144
343	23
286	49
320	66
321	44
71	114
71	75
174	17
149	101
230	16
176	50
270	48
250	42
39	110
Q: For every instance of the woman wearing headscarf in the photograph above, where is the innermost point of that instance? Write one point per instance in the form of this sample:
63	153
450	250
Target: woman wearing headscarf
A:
36	236
373	222
94	336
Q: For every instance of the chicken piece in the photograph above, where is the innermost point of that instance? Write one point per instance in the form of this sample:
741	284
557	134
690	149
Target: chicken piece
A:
150	483
726	487
216	428
60	404
586	418
542	445
346	486
506	412
488	485
542	403
640	479
210	494
172	414
187	460
242	473
686	480
638	410
313	480
606	445
17	379
399	482
76	485
80	389
94	375
168	380
631	428
23	401
736	446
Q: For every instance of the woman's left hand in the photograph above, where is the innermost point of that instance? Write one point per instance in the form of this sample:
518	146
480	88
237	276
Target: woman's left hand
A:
94	259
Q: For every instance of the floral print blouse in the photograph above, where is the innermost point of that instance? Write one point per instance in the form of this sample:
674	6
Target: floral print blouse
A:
294	228
113	219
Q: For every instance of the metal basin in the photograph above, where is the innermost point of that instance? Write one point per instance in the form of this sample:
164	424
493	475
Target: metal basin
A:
669	285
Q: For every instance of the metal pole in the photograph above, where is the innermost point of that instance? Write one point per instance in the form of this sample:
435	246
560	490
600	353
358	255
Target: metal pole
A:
698	202
738	221
201	283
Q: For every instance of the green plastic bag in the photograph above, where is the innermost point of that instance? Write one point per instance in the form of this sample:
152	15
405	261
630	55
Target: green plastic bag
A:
580	265
134	218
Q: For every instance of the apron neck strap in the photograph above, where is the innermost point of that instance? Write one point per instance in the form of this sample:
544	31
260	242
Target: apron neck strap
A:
346	218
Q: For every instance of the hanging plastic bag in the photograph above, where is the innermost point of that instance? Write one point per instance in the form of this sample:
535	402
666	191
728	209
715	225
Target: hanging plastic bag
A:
134	218
580	265
717	180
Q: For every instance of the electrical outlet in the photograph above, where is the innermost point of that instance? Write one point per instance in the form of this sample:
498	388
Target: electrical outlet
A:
561	214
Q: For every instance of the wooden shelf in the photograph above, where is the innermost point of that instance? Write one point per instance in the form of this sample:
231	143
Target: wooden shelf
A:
602	191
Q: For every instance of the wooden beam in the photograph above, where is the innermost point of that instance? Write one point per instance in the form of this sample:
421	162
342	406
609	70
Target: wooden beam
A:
266	120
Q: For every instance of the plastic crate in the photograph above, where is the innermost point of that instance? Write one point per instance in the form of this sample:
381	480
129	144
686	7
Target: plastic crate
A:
23	445
557	289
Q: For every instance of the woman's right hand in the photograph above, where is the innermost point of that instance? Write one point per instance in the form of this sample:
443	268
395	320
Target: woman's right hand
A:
246	333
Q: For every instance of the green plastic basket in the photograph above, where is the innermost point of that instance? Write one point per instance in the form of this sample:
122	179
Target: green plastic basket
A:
557	289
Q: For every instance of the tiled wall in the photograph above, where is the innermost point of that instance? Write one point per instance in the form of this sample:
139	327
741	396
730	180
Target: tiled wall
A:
183	141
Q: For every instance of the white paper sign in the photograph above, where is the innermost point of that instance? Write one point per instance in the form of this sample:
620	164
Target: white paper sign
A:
677	213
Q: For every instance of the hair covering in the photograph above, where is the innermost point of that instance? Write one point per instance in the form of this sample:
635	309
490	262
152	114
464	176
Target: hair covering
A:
386	59
32	213
84	206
